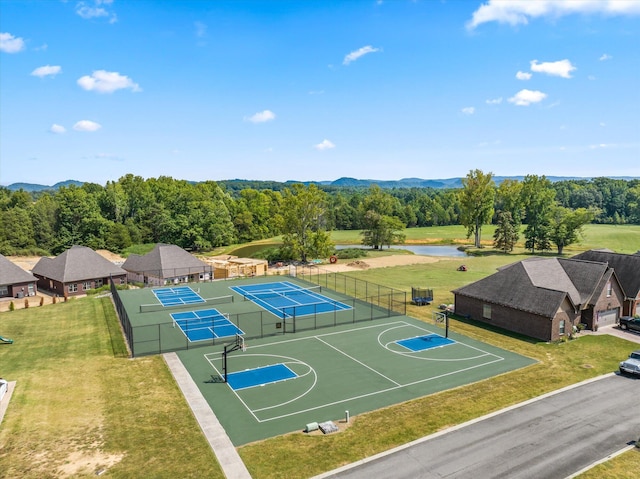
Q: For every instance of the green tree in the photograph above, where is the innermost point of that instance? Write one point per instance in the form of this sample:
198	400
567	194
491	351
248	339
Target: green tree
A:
303	222
506	234
566	225
476	203
509	199
538	200
381	230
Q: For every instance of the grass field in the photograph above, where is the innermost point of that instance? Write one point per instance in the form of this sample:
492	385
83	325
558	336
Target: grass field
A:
82	406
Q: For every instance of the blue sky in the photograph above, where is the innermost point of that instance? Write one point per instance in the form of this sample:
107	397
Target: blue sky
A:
299	90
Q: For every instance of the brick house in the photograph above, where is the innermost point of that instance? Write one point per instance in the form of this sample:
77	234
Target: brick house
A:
166	264
627	268
14	281
76	271
544	298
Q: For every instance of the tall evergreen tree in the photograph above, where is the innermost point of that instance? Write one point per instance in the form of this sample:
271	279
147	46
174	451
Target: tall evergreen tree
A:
506	233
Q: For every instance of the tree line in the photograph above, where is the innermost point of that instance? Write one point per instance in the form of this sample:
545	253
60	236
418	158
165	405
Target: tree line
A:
204	215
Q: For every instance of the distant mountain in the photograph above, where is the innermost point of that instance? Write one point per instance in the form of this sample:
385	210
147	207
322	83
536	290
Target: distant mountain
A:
345	182
35	187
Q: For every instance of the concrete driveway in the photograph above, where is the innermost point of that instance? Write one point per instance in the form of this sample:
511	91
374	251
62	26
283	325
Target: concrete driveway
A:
614	330
549	437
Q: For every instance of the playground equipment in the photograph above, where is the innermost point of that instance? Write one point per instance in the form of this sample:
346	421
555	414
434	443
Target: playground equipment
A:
6	340
421	296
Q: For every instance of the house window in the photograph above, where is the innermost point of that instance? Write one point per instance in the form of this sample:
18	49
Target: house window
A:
86	285
609	289
99	283
4	290
31	289
73	288
561	326
486	311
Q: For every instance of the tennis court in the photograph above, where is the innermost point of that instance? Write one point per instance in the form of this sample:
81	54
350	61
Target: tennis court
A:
177	296
280	384
205	324
287	300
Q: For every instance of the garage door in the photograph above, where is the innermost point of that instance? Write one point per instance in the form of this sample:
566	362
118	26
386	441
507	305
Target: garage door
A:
610	316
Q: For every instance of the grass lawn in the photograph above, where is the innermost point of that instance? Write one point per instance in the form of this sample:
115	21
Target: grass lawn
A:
80	405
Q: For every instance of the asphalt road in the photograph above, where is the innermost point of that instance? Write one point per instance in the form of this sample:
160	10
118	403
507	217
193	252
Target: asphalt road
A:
552	437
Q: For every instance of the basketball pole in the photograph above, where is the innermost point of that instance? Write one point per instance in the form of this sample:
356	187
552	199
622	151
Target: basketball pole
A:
228	348
446	324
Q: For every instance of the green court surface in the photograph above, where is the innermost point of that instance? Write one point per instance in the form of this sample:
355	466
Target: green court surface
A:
310	368
357	368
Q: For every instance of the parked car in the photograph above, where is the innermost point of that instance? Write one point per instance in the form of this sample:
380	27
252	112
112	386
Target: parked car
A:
629	322
632	364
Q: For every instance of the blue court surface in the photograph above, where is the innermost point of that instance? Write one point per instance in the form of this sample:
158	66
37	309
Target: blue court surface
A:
287	300
177	296
422	343
205	325
259	376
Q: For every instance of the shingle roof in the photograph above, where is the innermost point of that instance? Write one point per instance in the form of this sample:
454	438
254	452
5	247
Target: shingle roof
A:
539	285
78	263
12	274
626	266
165	261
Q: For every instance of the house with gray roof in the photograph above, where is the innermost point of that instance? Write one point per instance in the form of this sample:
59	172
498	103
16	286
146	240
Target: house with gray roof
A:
627	268
76	271
166	264
14	281
544	298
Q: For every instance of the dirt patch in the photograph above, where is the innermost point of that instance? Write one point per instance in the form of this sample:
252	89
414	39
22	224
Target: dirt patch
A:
88	462
382	262
114	258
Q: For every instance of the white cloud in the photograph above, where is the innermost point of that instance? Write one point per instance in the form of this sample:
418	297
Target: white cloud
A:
262	117
527	97
201	29
602	123
96	9
523	75
494	101
561	68
605	57
47	70
600	145
87	125
11	44
107	82
57	129
469	110
325	145
519	12
353	56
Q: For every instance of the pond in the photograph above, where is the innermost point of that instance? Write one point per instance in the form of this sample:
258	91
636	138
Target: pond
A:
426	250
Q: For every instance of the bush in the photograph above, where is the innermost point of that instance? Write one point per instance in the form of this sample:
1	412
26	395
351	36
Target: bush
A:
41	300
12	306
351	253
26	303
54	300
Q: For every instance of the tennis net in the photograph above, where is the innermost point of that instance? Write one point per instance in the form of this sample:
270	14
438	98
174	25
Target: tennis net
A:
289	293
206	322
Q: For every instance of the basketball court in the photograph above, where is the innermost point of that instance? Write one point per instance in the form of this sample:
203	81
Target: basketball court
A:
278	385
